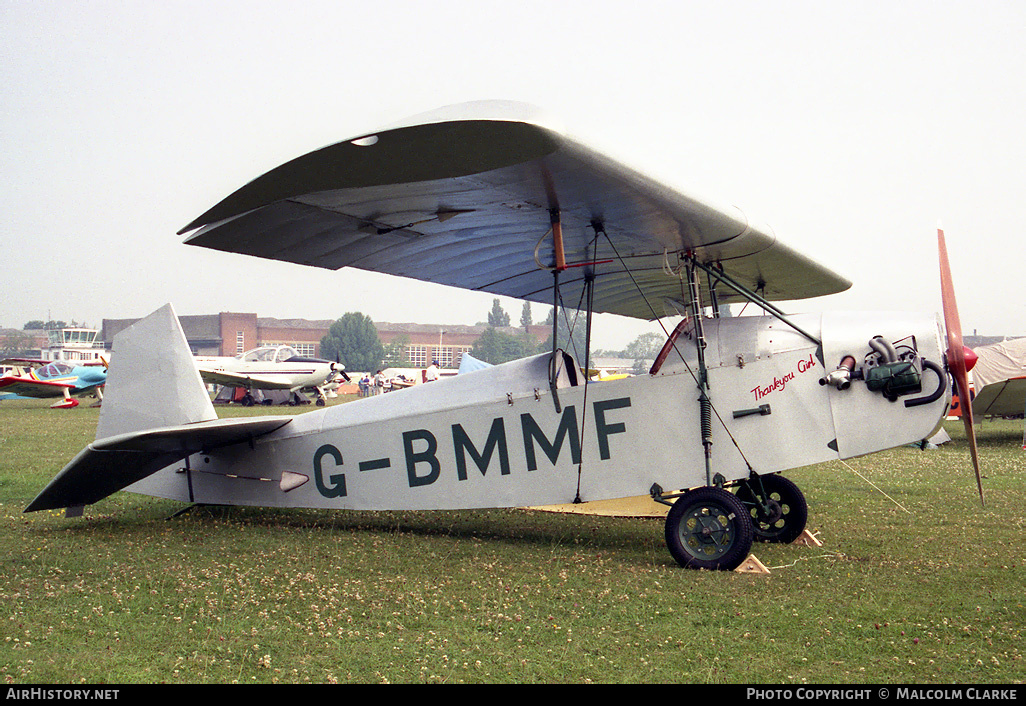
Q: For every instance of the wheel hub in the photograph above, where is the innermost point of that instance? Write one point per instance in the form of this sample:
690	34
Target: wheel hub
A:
706	532
771	511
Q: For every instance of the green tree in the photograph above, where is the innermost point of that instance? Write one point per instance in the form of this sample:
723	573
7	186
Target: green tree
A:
571	340
354	341
644	347
643	350
525	315
37	324
497	347
497	316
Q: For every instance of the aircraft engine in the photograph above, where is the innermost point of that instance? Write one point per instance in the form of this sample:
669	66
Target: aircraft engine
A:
893	370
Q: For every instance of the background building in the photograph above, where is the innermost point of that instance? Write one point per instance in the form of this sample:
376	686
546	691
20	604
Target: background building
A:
26	343
231	333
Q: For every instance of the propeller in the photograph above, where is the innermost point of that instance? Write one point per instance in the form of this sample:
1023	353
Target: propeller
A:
960	358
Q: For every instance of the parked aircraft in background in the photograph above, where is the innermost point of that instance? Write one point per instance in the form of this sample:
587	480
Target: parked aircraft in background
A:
273	368
491	197
1006	398
44	379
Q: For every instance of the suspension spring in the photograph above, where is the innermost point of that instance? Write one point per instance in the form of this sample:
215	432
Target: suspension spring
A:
705	416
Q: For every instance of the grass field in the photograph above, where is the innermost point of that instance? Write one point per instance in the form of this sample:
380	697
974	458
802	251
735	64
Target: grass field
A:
914	583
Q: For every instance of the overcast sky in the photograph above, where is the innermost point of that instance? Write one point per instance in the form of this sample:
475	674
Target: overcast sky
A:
852	129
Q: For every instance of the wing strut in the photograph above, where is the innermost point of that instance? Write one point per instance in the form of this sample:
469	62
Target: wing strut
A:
718	275
704	403
589	283
560	259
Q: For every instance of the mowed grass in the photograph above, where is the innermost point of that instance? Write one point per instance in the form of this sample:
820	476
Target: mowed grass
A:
914	583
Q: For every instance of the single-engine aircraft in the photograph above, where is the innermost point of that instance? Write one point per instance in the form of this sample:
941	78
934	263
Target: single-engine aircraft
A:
49	379
494	197
273	368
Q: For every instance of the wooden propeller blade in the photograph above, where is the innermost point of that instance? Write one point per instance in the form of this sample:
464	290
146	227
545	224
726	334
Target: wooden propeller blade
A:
956	355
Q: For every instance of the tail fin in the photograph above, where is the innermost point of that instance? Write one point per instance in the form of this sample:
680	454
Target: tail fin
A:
153	380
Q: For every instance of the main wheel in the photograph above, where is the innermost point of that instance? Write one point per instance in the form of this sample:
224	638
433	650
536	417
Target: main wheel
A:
777	508
708	528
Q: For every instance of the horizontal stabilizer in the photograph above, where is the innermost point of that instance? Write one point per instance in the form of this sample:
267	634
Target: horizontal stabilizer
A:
113	463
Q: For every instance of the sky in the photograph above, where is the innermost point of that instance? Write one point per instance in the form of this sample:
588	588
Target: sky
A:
853	130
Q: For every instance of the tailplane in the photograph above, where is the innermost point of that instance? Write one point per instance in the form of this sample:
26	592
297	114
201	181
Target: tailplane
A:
156	412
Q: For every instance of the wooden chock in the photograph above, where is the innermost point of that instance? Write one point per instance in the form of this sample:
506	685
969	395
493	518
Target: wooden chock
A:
752	565
807	539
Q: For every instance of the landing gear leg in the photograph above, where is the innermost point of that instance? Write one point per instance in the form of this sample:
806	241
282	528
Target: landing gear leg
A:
709	528
777	508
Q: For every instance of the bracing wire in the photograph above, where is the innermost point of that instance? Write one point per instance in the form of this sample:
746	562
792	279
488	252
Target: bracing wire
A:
590	288
663	327
875	486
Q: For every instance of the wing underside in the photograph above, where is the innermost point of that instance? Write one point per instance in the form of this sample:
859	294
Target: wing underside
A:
260	382
1006	398
469	201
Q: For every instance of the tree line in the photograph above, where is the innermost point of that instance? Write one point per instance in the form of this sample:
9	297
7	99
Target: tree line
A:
495	346
353	340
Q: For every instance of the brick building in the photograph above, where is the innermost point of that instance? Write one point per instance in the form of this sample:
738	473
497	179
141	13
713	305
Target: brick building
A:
423	343
230	333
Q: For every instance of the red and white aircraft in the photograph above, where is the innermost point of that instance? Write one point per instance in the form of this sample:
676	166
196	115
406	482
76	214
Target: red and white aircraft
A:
46	379
492	197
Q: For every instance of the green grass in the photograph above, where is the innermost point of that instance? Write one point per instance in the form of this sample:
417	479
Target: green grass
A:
920	585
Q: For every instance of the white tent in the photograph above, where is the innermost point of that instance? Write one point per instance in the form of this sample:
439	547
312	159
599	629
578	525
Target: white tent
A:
999	379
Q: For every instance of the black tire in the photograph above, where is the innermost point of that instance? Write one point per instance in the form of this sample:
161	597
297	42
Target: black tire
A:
788	512
709	528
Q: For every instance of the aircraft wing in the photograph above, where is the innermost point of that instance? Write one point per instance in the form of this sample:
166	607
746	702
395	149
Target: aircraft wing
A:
24	361
259	382
33	388
1006	398
466	197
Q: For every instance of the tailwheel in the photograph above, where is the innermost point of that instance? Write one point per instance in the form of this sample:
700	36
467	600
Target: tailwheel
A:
777	508
708	528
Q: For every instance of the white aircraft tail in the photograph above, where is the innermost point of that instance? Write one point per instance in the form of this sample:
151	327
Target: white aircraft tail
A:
153	380
156	411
